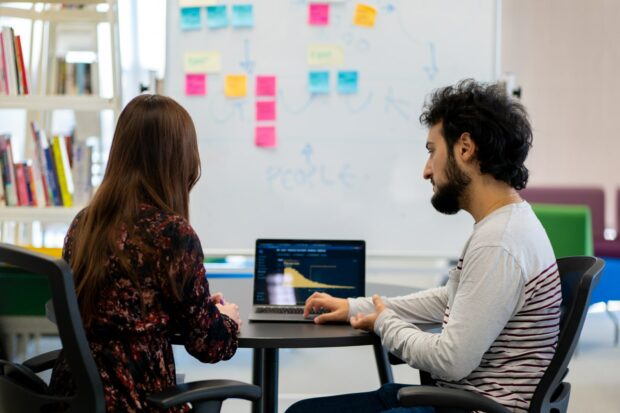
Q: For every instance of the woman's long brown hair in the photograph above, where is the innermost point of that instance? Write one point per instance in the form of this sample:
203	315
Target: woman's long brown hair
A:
153	159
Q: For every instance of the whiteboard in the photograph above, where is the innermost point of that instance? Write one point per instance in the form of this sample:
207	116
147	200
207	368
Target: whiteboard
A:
346	166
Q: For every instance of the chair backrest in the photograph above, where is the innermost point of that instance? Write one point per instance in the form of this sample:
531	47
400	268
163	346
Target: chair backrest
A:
568	227
578	276
592	197
16	396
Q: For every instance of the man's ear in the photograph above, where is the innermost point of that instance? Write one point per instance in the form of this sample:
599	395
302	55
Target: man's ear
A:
465	147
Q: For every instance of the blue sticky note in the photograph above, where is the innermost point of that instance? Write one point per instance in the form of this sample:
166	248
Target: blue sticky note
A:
318	81
190	18
347	82
216	17
243	15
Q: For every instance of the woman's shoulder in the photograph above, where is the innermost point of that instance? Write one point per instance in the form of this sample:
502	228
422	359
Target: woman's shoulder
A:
167	223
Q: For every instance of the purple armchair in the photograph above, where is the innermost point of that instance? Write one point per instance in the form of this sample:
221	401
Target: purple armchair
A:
593	197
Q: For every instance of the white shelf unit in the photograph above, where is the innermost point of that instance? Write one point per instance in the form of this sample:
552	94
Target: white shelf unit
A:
47	18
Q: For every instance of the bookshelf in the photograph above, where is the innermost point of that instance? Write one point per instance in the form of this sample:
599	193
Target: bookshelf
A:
57	28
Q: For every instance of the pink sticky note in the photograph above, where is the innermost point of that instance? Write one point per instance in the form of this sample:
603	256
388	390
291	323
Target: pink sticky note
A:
265	136
318	14
265	85
266	110
196	84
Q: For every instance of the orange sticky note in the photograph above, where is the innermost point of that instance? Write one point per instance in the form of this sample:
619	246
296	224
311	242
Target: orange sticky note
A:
365	15
236	86
265	136
266	110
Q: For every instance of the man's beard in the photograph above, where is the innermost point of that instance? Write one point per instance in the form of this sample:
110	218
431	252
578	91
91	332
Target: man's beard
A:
447	198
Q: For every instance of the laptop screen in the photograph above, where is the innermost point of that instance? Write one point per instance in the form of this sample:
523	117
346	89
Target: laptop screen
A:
287	272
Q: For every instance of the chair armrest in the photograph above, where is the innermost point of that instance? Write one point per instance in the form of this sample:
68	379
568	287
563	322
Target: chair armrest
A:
43	361
443	397
394	360
204	390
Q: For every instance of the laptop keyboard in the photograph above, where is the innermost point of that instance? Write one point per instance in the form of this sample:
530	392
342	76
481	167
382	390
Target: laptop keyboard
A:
283	309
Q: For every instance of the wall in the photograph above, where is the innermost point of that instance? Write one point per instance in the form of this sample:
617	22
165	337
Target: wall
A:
565	55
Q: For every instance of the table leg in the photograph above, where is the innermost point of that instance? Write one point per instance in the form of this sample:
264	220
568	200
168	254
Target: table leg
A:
270	380
383	364
258	360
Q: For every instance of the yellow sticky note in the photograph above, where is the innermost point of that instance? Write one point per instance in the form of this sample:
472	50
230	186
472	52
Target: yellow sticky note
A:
236	86
202	62
365	15
325	55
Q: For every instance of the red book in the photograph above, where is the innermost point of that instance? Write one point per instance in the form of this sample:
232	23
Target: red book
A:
22	68
20	183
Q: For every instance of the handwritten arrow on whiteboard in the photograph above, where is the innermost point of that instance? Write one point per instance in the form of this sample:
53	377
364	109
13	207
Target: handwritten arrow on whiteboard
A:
432	69
399	105
247	64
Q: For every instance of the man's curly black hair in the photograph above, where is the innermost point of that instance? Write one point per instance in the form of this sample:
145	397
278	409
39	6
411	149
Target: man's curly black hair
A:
497	123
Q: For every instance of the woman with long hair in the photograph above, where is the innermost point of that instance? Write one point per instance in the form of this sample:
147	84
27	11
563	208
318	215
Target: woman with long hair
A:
138	264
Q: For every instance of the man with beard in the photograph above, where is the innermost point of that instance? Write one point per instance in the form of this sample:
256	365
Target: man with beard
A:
500	308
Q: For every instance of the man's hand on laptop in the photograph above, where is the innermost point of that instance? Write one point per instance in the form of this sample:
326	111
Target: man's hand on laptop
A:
337	308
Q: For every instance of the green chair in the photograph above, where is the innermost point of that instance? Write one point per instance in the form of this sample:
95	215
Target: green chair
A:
22	310
569	228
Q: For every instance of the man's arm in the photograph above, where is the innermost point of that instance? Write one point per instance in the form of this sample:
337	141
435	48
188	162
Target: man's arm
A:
488	294
424	307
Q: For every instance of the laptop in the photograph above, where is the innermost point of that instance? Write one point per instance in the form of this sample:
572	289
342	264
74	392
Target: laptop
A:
287	272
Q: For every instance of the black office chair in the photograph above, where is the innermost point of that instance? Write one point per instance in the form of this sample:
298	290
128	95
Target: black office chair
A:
579	276
21	390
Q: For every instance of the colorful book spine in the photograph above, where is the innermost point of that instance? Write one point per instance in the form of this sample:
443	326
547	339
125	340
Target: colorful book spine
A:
23	78
4	81
30	184
63	170
20	183
52	177
11	68
9	177
40	167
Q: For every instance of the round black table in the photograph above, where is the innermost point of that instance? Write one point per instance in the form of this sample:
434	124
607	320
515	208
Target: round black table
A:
266	338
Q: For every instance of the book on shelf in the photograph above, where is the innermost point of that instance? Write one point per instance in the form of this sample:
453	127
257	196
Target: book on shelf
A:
48	179
74	78
8	170
13	72
63	170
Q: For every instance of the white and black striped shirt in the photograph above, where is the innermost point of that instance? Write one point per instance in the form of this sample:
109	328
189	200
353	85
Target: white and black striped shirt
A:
500	312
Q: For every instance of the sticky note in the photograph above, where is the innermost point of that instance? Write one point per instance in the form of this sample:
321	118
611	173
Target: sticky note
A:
318	14
236	86
365	15
202	62
216	17
325	55
195	84
318	82
190	18
265	85
196	3
265	136
266	110
243	15
347	82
